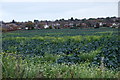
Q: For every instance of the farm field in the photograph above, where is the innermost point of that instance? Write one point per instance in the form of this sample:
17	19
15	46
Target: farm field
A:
61	53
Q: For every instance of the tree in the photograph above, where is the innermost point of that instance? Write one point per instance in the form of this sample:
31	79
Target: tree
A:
72	19
30	25
97	25
61	19
50	27
107	18
76	19
36	21
83	20
91	19
13	21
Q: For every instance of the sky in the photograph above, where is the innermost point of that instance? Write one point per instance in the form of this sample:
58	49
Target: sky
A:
24	10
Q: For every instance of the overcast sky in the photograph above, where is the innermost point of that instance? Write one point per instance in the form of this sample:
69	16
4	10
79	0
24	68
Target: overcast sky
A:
20	10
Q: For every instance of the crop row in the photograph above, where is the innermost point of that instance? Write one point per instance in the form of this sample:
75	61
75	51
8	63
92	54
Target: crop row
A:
91	47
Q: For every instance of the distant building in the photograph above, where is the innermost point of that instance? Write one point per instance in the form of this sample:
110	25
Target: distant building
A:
100	23
46	26
26	28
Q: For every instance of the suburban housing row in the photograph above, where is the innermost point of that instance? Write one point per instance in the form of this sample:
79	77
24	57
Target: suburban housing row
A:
62	24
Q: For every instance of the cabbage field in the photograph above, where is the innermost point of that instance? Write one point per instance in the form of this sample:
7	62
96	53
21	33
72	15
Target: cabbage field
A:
61	53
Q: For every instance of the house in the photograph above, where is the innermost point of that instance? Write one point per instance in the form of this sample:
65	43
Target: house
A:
26	28
71	24
46	26
10	26
83	24
101	24
115	25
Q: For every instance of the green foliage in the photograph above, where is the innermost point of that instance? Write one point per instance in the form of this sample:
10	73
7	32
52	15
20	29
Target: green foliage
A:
14	66
89	56
30	25
37	53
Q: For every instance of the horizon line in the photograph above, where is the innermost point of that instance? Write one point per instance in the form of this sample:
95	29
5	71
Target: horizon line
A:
57	19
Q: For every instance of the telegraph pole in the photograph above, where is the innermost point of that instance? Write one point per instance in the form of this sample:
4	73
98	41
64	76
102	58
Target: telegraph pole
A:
119	9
